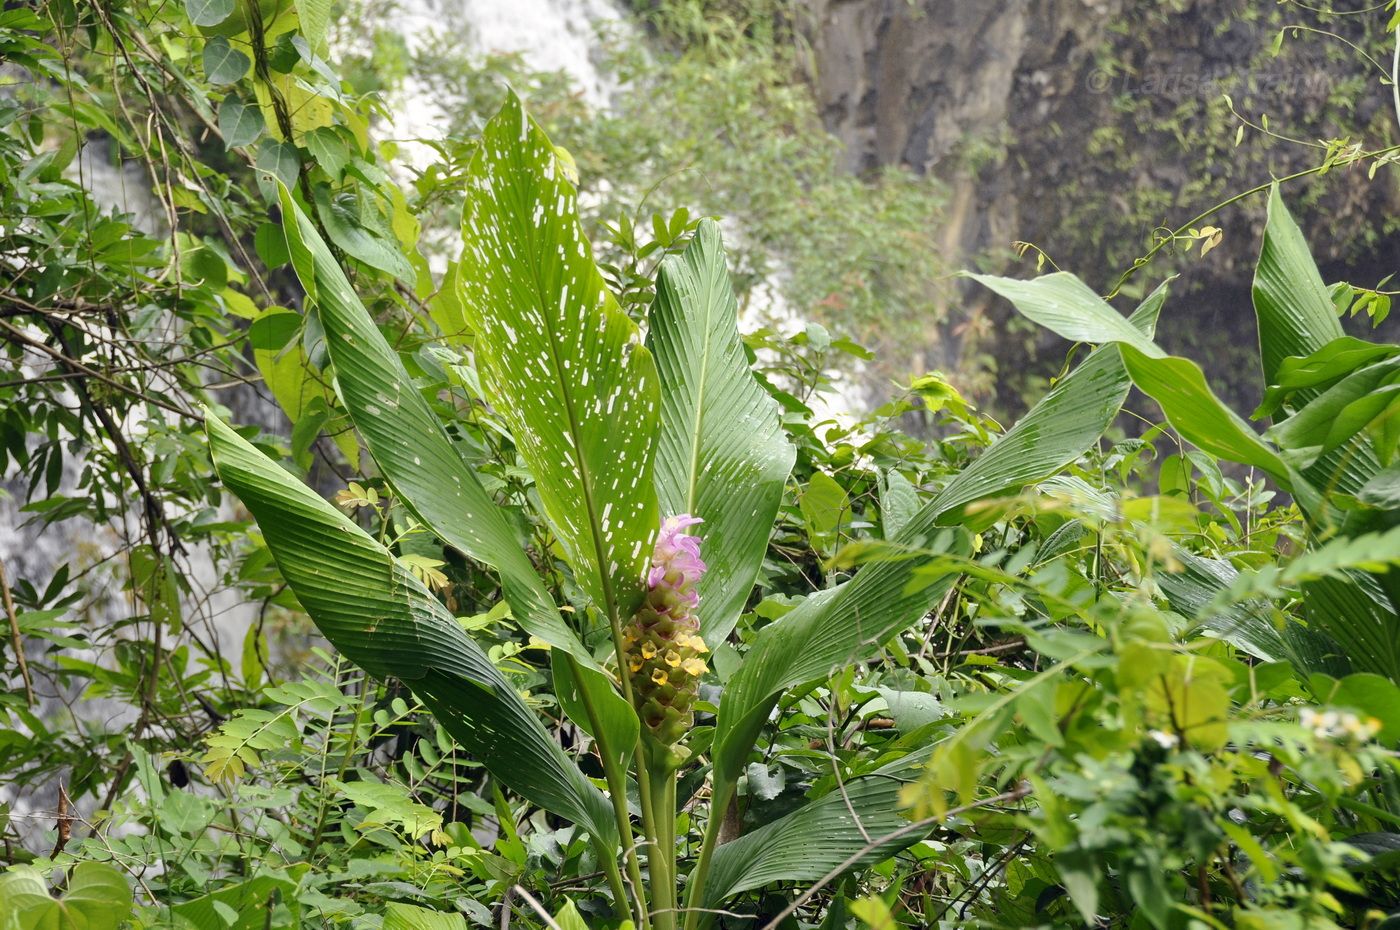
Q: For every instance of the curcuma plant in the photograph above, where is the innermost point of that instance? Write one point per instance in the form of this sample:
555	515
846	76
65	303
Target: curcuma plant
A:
658	466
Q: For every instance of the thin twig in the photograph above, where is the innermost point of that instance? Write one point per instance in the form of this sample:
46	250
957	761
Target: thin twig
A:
537	907
15	637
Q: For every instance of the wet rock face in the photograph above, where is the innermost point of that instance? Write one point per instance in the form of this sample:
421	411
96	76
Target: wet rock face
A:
905	83
1079	125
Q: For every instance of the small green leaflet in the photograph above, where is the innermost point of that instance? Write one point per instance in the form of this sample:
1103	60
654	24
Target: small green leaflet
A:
239	122
224	64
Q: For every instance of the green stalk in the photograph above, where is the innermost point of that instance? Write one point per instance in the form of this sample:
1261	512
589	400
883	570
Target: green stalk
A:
720	795
617	791
615	883
663	857
649	828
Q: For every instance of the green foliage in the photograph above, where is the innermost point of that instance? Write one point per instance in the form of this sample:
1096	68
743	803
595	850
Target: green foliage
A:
1034	676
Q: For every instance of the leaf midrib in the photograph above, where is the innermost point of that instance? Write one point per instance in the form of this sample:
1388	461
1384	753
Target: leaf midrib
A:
586	479
693	478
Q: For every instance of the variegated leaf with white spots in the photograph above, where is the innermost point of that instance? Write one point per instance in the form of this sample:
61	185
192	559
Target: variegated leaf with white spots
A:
563	365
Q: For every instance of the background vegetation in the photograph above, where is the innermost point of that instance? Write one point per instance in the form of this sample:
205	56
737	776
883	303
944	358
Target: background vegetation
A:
1152	697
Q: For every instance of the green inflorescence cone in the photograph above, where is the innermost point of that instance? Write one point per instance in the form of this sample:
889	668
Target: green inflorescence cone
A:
663	641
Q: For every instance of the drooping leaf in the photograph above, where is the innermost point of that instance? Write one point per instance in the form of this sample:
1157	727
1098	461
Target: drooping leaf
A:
1067	306
382	618
562	363
721	454
342	221
408	441
1057	430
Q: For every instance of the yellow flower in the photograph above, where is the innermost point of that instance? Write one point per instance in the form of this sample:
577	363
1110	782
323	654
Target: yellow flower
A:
673	658
694	668
658	675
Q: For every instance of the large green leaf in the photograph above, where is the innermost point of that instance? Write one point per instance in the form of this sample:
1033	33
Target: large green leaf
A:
1295	315
97	898
722	455
381	617
1296	318
248	899
828	631
1253	626
846	623
408	441
1064	304
563	364
812	841
412	917
1057	430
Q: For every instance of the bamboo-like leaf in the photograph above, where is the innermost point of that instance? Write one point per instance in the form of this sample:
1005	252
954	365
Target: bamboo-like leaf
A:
563	365
408	441
381	617
721	455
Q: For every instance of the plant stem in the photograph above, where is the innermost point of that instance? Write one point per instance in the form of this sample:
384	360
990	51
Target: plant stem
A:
610	869
617	791
649	828
720	794
662	858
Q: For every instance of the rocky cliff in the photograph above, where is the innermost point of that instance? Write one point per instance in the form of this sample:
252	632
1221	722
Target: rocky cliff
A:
1080	125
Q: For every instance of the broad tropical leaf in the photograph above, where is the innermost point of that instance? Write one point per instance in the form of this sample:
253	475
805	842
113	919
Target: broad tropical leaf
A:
591	701
1295	315
1252	626
1056	431
1064	304
843	624
408	441
1296	318
381	617
828	631
721	455
562	363
809	843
